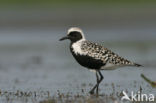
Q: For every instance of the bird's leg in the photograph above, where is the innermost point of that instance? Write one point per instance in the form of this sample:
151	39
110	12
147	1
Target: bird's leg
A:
101	78
97	80
96	86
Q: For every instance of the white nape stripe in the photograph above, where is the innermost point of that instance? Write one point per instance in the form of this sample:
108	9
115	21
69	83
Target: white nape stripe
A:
77	47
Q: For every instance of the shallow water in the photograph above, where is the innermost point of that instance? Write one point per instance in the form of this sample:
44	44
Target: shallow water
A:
35	62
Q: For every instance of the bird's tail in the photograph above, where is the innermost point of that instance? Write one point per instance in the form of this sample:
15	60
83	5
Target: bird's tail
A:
137	65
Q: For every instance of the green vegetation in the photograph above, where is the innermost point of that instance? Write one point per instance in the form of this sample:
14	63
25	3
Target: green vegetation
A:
69	2
153	84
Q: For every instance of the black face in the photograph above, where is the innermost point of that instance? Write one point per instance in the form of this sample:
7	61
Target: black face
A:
73	36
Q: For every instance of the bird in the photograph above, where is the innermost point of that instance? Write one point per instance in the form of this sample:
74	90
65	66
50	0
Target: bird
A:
94	56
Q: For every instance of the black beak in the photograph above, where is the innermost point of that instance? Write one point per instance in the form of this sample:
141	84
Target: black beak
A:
64	38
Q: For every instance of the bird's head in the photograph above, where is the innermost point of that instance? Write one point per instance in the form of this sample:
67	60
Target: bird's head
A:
74	34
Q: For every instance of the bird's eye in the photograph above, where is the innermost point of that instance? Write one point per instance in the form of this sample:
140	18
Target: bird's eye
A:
74	35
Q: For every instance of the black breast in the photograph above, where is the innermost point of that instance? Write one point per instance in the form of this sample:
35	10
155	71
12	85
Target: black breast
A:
87	61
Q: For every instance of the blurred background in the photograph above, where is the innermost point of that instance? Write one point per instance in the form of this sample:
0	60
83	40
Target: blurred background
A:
32	58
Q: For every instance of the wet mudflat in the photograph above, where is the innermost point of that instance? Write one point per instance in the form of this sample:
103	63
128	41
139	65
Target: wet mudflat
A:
40	69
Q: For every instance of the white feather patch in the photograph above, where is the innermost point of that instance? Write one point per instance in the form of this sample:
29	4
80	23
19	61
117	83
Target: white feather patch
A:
77	47
94	71
109	66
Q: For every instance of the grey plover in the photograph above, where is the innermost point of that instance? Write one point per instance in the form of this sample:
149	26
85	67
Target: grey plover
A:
94	56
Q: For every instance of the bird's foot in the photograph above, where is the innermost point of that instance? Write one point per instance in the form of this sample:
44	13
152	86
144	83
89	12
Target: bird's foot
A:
97	92
91	92
94	94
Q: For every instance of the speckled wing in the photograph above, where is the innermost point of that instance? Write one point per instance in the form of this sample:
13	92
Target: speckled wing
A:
109	58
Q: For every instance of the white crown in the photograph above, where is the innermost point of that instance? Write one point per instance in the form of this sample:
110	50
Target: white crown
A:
75	29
